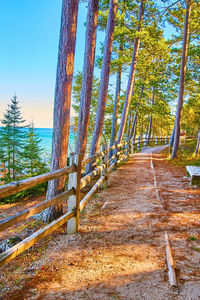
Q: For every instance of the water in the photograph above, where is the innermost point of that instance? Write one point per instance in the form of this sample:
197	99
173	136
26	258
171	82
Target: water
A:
45	134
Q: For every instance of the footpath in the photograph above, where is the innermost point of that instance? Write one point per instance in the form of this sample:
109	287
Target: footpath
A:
119	252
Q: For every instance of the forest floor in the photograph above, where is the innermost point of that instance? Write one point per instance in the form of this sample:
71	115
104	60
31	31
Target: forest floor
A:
119	252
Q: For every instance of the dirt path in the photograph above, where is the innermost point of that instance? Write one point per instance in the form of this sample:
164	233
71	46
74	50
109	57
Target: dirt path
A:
119	252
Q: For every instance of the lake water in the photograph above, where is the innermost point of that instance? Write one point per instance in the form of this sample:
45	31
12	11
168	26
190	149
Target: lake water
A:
45	134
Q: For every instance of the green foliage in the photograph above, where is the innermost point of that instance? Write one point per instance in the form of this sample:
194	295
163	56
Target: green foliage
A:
33	164
37	190
186	154
12	141
20	152
192	238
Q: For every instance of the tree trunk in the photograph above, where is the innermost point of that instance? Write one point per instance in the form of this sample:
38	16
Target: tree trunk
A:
88	68
173	133
136	114
198	143
118	87
135	127
182	79
62	102
104	78
116	107
131	76
129	127
149	131
150	122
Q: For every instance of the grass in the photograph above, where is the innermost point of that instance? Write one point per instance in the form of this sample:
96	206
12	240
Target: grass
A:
192	238
196	249
186	155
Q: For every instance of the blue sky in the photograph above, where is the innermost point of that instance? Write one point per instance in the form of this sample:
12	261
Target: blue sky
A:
29	34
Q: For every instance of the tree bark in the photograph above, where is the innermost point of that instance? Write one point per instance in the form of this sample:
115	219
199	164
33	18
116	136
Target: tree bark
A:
131	75
62	102
116	107
149	130
136	114
129	127
150	122
118	88
88	68
173	133
135	128
182	79
104	78
198	143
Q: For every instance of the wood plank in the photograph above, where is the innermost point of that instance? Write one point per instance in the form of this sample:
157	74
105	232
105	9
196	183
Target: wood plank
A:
27	213
193	171
112	148
170	262
104	161
92	158
112	157
86	179
87	197
73	201
111	167
11	253
18	186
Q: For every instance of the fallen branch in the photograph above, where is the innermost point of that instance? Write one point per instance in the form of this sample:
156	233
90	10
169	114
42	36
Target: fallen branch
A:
170	262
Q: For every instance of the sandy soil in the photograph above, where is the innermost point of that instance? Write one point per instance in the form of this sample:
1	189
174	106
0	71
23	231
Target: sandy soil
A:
119	252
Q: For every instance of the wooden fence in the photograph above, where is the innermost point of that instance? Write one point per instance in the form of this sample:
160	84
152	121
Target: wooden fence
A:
105	161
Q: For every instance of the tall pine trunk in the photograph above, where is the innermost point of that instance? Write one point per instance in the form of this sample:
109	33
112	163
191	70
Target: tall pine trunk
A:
149	130
136	113
197	146
182	80
118	87
131	76
116	107
129	127
104	78
150	121
62	102
135	127
88	68
173	133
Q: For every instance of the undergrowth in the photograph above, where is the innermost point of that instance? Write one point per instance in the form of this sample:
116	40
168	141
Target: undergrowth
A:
186	155
24	195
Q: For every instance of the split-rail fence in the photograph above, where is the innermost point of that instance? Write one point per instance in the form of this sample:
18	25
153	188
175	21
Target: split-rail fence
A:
105	161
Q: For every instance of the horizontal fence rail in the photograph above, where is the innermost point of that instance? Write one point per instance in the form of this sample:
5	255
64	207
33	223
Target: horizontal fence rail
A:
109	158
19	186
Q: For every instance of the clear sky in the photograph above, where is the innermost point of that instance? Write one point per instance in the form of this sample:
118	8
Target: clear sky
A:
29	34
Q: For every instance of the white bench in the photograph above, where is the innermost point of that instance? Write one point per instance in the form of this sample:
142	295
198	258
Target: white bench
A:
194	173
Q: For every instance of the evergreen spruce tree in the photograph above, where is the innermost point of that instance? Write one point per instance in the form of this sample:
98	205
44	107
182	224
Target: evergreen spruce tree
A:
33	164
12	141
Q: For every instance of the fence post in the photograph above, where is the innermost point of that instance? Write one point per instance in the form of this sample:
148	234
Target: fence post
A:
74	200
156	141
115	152
105	161
166	140
129	148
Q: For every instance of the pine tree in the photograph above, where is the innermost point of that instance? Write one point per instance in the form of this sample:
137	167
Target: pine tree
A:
33	164
62	103
12	140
